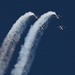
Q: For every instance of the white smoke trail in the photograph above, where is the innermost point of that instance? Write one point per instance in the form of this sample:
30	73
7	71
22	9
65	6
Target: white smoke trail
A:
12	39
26	55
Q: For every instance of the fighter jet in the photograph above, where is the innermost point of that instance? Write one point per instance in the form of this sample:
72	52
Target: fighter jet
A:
57	16
43	27
61	27
36	17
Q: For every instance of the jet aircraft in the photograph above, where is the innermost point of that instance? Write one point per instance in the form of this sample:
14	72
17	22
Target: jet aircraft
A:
61	27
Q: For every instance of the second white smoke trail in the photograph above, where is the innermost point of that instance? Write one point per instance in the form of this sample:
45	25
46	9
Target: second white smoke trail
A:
26	55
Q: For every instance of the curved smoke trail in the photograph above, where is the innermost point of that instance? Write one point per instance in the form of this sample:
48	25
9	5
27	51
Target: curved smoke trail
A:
12	39
26	55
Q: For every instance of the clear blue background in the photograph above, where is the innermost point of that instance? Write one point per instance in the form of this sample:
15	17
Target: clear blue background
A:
55	54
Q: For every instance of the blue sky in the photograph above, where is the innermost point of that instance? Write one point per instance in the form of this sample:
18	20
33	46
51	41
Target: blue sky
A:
55	54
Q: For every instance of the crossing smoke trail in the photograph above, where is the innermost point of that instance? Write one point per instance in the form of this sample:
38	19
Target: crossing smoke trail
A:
12	39
26	55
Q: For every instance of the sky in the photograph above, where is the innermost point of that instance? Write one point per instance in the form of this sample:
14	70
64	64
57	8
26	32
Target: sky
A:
55	54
